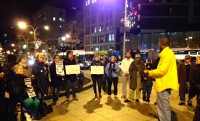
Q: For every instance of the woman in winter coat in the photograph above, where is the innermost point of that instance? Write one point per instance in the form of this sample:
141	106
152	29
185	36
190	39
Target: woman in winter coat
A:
56	80
20	90
70	79
112	70
22	61
97	79
40	72
196	88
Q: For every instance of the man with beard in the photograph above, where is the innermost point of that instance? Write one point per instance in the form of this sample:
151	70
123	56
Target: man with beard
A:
126	62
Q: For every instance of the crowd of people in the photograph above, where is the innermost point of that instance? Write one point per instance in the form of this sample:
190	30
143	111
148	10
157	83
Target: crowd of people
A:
27	85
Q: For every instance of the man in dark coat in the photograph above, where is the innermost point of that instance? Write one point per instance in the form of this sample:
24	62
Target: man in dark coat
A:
40	72
56	80
185	72
70	79
136	75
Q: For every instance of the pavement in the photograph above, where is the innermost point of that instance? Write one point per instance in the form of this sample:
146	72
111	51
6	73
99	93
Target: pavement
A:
110	109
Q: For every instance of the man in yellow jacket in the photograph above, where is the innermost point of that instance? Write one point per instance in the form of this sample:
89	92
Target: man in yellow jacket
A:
166	79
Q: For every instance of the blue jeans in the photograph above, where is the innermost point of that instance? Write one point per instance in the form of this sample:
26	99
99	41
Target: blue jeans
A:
163	105
56	92
70	84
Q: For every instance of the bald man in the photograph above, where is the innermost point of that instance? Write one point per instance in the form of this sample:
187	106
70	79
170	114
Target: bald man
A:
166	79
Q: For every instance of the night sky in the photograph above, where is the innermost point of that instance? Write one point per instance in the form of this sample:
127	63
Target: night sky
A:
10	10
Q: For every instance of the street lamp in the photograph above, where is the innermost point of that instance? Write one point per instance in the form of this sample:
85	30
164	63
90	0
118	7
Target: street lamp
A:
64	38
23	25
124	40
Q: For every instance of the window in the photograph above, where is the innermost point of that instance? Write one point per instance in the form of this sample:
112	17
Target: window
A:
54	18
113	37
110	38
100	28
95	29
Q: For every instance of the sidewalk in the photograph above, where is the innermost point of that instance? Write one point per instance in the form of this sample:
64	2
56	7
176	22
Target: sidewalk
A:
89	109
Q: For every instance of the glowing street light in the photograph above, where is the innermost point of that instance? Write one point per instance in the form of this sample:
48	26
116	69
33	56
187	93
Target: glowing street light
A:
13	45
23	25
24	46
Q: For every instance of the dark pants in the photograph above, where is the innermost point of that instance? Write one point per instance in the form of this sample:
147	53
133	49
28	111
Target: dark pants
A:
104	82
70	84
56	92
146	93
197	112
114	80
182	96
96	82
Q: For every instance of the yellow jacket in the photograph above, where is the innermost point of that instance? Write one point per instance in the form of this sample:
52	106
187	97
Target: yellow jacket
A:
166	72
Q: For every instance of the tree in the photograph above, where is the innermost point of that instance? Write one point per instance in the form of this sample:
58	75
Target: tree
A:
75	29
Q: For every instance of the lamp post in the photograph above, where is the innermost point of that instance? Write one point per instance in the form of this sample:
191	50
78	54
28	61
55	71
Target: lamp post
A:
64	38
23	25
124	40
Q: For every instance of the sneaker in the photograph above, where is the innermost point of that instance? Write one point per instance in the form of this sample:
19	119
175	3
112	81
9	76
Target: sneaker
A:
115	96
155	103
28	117
137	100
190	104
126	101
181	103
76	99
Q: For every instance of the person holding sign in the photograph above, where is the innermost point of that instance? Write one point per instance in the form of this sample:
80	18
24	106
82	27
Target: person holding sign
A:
70	78
96	78
21	87
56	80
112	71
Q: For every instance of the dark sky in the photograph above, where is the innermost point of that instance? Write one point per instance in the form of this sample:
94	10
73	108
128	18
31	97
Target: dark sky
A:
11	10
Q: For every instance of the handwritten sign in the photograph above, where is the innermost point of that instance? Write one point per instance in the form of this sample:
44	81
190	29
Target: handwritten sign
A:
30	91
97	70
72	69
60	68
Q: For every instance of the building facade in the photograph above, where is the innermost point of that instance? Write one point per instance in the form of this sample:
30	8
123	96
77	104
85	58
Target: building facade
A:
103	26
177	19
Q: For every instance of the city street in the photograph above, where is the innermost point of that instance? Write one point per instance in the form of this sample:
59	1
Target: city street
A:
110	109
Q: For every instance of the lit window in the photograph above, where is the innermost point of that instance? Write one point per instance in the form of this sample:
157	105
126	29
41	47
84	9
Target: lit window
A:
88	2
93	1
138	17
100	28
95	29
60	19
110	38
113	37
54	18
